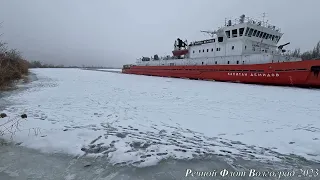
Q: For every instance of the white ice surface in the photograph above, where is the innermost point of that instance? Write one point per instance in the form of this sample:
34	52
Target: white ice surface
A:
163	117
116	70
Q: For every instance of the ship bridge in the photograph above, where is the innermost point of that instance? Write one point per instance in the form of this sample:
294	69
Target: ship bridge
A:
241	36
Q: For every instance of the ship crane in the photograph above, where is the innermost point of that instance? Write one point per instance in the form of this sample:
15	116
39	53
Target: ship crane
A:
281	47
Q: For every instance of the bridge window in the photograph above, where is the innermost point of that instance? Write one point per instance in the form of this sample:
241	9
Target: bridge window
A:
228	34
247	31
261	34
241	30
250	32
258	33
273	37
220	39
267	36
264	35
254	33
235	33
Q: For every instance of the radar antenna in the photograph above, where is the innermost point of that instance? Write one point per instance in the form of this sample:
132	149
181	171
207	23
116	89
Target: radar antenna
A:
211	33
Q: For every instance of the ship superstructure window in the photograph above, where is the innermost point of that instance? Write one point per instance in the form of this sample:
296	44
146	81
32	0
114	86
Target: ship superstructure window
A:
235	33
250	32
245	47
228	62
216	62
237	62
211	49
220	39
241	30
207	50
202	50
199	51
247	31
193	51
254	33
218	49
258	33
232	47
228	34
261	34
264	35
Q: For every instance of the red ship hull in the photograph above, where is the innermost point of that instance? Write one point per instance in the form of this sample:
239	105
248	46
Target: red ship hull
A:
299	73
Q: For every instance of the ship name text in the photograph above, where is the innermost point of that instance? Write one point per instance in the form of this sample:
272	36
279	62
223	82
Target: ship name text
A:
255	74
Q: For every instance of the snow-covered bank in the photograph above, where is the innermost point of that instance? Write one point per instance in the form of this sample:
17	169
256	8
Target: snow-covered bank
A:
115	70
141	120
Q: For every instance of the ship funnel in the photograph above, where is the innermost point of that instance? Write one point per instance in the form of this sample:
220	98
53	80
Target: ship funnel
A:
242	18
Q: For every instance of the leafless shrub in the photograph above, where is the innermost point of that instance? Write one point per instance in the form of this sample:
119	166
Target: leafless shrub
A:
12	66
13	125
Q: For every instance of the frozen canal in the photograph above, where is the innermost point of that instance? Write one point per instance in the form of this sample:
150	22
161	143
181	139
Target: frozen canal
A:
130	120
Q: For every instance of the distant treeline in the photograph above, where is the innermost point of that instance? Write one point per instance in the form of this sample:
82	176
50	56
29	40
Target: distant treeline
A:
38	64
308	55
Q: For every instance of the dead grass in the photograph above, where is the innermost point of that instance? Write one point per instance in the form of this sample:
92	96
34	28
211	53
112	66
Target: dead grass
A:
12	68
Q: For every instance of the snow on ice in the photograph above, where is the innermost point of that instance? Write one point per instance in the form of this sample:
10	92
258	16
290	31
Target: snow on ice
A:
140	120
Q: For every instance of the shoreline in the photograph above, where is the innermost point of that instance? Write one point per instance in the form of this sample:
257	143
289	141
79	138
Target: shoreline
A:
14	88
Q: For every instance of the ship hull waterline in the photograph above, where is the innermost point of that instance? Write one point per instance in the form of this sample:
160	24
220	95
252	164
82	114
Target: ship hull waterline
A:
299	73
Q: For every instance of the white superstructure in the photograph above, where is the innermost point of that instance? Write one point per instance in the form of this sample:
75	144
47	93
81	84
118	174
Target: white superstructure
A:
242	41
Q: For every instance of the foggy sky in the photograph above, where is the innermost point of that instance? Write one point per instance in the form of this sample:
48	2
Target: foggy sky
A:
116	32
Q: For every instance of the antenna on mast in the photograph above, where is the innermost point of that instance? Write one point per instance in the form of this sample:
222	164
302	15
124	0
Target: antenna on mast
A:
263	16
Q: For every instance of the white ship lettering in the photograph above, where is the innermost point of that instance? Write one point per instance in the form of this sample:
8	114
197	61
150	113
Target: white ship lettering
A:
255	74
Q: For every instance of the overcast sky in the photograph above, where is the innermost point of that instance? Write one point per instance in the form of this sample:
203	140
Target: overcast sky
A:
115	32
